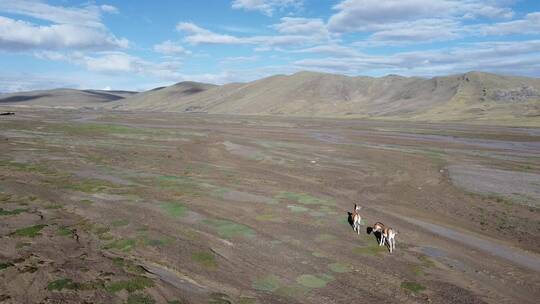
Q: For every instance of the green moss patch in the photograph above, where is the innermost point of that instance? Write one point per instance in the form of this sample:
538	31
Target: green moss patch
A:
412	286
219	298
312	281
174	209
267	218
339	267
205	259
132	285
31	231
11	212
268	283
229	229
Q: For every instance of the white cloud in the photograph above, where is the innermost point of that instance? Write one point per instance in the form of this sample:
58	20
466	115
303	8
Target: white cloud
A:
116	63
329	49
16	35
370	15
75	28
198	35
266	7
529	25
109	9
171	48
520	57
301	26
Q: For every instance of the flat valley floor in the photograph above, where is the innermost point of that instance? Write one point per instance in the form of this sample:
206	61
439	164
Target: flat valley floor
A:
125	207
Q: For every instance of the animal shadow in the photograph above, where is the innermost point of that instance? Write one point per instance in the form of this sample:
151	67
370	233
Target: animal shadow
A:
350	219
377	234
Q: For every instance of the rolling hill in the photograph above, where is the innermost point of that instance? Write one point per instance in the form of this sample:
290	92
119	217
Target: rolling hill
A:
63	98
473	96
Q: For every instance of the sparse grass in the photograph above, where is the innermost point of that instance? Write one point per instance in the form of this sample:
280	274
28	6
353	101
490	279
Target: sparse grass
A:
120	223
268	283
93	129
219	298
138	298
132	285
63	283
86	202
64	231
303	198
20	245
122	244
339	267
174	209
53	206
89	185
370	250
31	231
229	229
26	167
312	281
11	212
205	259
325	237
412	286
295	208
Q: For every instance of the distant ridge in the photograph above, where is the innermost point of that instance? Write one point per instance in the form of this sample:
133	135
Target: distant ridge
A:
472	96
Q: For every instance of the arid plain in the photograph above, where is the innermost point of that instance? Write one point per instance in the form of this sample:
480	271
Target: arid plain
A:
124	207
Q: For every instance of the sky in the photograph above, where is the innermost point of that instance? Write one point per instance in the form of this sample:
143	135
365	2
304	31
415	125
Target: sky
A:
139	45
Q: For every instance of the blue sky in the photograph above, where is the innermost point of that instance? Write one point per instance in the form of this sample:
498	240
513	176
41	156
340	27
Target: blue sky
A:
138	45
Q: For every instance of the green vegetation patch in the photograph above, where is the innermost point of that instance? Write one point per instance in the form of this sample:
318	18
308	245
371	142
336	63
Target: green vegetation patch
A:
4	265
120	223
313	281
11	212
90	129
340	267
86	202
267	218
64	231
174	209
205	259
26	167
139	298
219	298
303	198
229	229
53	206
370	250
31	231
324	237
132	285
122	244
89	185
292	291
296	208
268	283
63	284
412	286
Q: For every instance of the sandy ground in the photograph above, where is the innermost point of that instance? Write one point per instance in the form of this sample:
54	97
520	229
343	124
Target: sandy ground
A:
111	207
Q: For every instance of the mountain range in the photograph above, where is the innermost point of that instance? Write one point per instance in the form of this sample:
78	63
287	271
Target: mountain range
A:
472	96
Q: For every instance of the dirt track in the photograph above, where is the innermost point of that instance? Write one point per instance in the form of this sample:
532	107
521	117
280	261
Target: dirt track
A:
223	209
